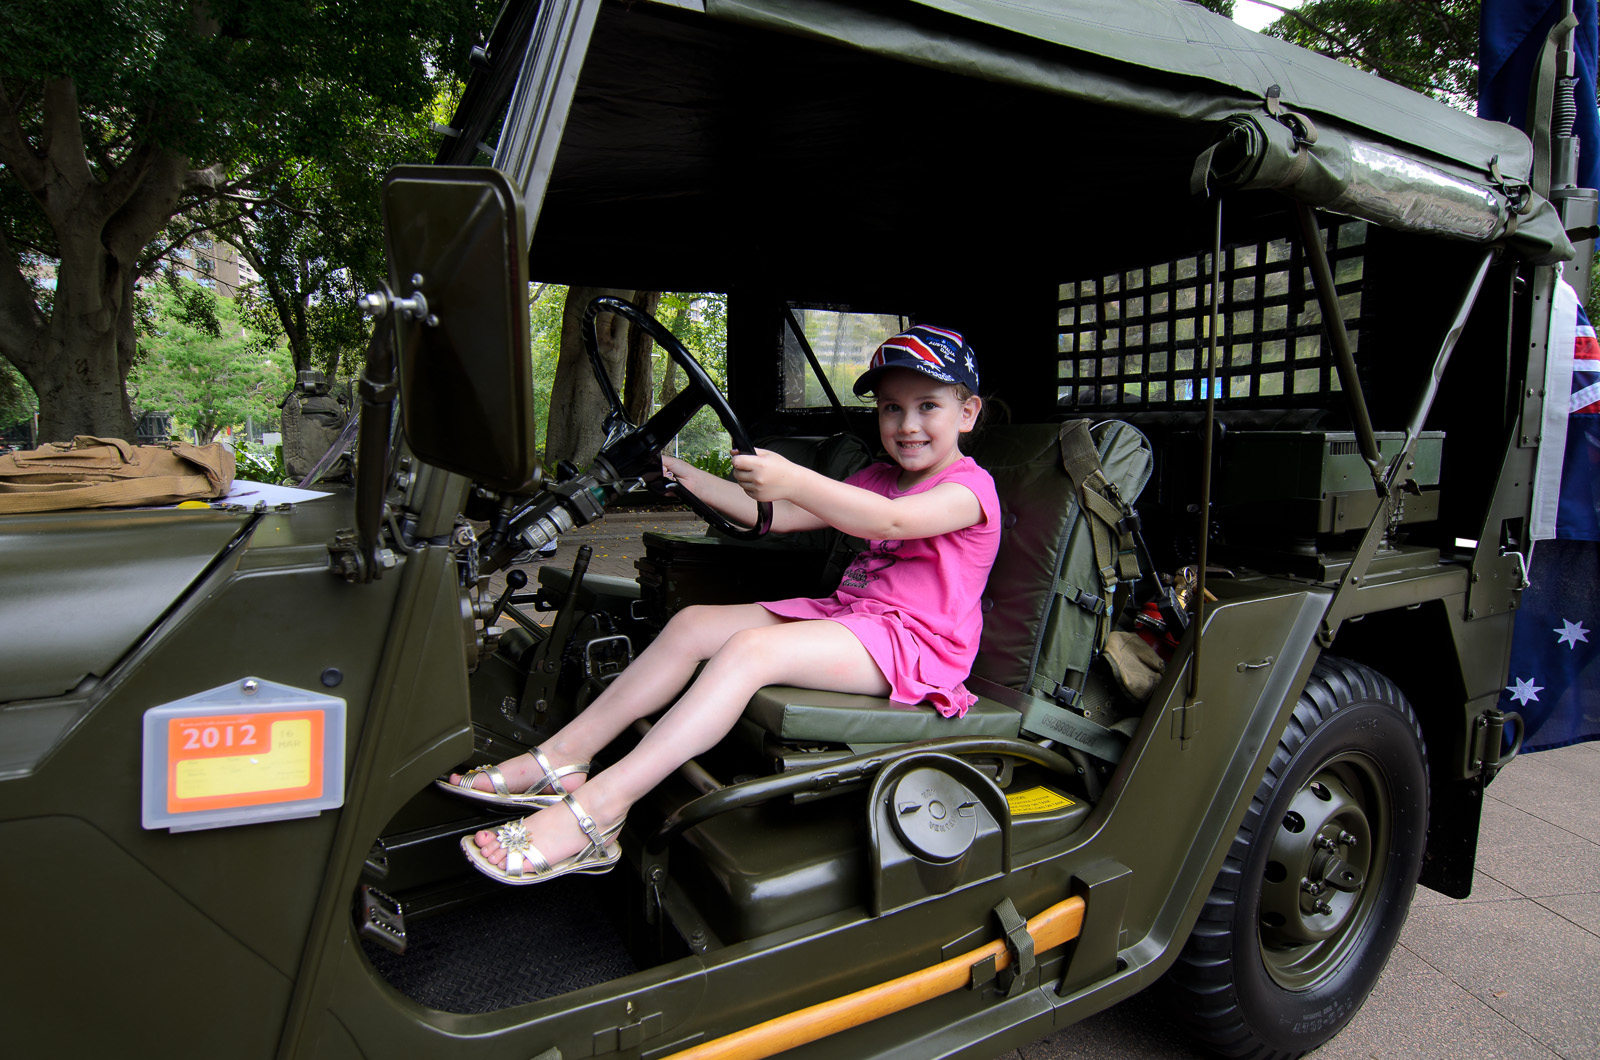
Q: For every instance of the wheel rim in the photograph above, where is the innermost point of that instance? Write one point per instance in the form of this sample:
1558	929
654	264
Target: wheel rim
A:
1324	870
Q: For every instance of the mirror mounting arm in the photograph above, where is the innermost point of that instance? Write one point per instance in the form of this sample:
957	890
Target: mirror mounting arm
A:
358	558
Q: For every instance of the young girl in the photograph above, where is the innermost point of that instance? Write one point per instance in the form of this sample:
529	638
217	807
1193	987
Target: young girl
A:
904	622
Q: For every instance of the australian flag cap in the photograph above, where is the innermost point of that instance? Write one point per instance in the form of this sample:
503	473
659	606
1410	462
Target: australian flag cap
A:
935	352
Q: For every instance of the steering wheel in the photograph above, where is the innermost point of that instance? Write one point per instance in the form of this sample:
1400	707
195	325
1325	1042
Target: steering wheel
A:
634	451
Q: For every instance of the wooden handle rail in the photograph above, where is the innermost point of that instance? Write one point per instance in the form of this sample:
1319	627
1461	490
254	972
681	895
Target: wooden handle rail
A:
1056	925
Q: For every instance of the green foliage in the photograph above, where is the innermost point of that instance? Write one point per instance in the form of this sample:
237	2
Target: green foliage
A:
264	121
1429	46
207	380
718	464
700	320
259	463
545	302
17	400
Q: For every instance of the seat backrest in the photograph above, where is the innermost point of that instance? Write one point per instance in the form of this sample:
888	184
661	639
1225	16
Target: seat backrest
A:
1030	629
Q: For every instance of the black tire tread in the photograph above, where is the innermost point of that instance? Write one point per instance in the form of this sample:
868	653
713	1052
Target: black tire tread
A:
1200	988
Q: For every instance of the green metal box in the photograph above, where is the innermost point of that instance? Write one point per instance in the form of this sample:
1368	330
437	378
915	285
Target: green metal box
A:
1315	482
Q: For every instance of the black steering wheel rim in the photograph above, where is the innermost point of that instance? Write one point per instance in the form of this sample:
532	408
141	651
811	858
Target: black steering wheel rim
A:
634	453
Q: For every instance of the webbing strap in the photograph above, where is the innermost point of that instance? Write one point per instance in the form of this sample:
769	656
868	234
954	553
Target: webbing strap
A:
1078	458
1097	496
1020	943
1104	518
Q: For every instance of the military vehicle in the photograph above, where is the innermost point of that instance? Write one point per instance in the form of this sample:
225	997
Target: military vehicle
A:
1324	302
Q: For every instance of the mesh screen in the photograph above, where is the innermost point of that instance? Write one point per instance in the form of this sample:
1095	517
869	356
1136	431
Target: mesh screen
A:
1139	338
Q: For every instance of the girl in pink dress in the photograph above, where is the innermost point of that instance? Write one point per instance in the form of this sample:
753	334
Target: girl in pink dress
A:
904	622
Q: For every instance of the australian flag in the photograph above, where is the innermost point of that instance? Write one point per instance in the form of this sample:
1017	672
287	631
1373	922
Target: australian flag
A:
1555	653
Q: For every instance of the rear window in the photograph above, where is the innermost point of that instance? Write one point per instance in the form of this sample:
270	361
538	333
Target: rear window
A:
1139	338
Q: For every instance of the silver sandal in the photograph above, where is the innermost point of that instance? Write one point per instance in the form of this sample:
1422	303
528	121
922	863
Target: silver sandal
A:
524	863
502	795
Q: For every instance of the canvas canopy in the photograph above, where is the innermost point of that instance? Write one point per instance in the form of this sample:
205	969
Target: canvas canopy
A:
820	131
1380	152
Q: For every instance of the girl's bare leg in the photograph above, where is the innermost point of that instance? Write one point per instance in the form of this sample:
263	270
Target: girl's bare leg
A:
692	636
814	654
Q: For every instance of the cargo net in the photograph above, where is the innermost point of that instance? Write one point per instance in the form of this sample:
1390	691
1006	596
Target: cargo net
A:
1139	338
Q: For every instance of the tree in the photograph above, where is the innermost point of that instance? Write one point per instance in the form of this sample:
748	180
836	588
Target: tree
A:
563	381
578	409
127	128
308	286
1429	46
17	403
201	365
315	235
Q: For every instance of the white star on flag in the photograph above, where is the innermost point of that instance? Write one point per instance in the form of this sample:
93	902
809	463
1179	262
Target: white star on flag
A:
1570	634
1525	691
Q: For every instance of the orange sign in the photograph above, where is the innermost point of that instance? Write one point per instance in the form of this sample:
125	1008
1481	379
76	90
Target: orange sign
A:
226	760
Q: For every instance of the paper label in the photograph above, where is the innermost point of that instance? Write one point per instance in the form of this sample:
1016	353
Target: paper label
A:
1036	800
227	760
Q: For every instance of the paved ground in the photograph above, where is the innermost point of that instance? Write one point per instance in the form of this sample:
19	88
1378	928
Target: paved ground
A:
1511	972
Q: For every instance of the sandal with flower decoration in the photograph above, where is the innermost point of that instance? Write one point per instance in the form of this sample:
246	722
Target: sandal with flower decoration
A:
524	863
502	795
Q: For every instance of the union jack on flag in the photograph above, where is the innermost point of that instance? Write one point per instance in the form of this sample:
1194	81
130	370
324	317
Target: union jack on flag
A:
1585	370
907	344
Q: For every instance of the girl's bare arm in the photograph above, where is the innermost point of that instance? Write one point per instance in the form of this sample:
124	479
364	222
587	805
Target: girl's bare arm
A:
862	513
731	500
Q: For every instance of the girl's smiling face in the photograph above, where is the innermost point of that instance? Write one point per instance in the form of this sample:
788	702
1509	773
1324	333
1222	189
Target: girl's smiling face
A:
920	422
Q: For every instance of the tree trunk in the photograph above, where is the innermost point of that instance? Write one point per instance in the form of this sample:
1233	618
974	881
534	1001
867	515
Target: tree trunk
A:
75	362
637	389
576	428
77	358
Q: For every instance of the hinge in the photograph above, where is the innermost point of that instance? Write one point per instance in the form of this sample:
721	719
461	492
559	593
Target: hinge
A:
1186	719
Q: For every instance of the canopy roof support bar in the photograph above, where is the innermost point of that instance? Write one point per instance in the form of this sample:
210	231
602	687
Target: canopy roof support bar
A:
1189	723
1333	320
542	100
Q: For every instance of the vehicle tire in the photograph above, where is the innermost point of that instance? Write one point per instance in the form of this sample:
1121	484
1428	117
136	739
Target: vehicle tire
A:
1317	882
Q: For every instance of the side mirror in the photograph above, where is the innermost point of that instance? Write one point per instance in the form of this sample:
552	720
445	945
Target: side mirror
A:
458	273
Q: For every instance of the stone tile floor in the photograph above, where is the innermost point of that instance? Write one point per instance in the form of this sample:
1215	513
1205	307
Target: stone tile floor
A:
1511	972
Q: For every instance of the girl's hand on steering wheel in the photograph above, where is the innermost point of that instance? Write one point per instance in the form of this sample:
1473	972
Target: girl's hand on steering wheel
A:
680	471
764	475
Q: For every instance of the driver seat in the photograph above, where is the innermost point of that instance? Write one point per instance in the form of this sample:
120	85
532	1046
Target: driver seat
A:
1037	510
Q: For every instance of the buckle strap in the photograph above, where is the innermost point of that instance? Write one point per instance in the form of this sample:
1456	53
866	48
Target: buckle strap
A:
1094	604
1019	943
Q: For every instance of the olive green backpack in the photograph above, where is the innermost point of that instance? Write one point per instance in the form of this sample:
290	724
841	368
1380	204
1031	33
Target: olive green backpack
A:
1067	559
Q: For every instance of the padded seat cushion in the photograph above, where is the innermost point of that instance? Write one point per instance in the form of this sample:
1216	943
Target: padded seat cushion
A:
838	717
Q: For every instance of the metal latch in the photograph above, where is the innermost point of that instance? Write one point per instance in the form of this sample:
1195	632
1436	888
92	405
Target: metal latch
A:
607	656
1488	740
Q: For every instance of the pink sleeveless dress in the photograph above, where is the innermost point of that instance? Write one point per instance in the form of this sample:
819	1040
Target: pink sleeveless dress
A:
915	605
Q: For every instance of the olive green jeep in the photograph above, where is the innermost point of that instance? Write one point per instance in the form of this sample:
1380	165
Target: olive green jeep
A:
1303	314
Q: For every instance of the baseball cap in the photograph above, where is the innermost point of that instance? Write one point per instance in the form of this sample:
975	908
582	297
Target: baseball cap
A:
935	352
